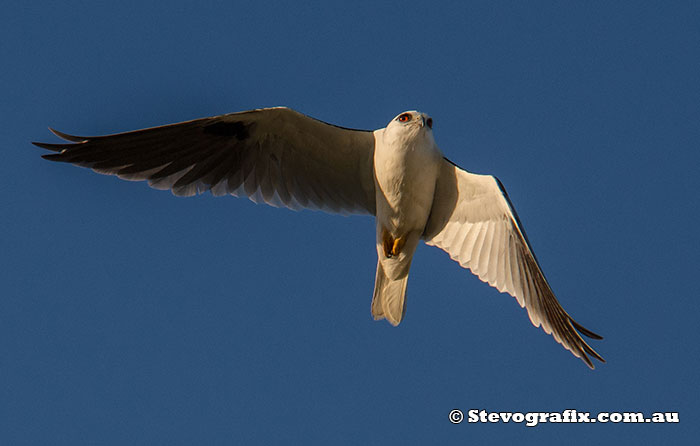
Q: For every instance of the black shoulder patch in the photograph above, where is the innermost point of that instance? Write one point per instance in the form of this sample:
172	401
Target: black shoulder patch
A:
517	220
449	161
229	128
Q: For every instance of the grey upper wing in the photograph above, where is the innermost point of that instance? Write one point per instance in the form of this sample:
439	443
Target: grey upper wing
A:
275	155
473	220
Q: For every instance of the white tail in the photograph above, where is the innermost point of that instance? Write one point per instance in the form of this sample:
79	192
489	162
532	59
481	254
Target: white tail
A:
389	300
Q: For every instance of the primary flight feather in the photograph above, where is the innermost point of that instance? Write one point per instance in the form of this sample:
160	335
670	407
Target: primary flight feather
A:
398	174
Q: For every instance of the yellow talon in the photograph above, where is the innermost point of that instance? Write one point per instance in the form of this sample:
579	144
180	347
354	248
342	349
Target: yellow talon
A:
398	245
390	245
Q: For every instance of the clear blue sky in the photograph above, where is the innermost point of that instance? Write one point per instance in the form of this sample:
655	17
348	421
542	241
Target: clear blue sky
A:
130	316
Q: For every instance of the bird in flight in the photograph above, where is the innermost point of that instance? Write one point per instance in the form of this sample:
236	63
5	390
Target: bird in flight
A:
397	174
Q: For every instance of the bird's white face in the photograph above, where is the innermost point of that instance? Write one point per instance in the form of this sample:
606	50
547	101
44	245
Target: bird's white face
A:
411	125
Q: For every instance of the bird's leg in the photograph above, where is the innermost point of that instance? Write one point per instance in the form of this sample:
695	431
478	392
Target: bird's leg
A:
398	245
387	243
390	245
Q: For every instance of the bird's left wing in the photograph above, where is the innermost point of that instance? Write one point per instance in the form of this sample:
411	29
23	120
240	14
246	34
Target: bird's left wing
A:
274	155
474	221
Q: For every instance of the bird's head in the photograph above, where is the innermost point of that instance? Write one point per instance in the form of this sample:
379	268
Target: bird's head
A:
411	125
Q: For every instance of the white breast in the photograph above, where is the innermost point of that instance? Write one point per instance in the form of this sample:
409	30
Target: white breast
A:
406	166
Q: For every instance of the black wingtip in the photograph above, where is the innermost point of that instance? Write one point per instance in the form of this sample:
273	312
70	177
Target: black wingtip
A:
52	147
67	137
60	147
594	354
586	332
54	157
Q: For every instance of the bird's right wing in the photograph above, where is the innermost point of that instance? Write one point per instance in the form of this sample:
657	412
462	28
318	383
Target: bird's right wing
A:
473	220
274	155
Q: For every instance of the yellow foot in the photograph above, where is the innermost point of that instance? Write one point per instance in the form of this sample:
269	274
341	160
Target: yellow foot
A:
398	245
390	245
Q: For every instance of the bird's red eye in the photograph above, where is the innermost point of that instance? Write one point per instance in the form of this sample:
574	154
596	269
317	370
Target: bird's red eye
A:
429	122
405	117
